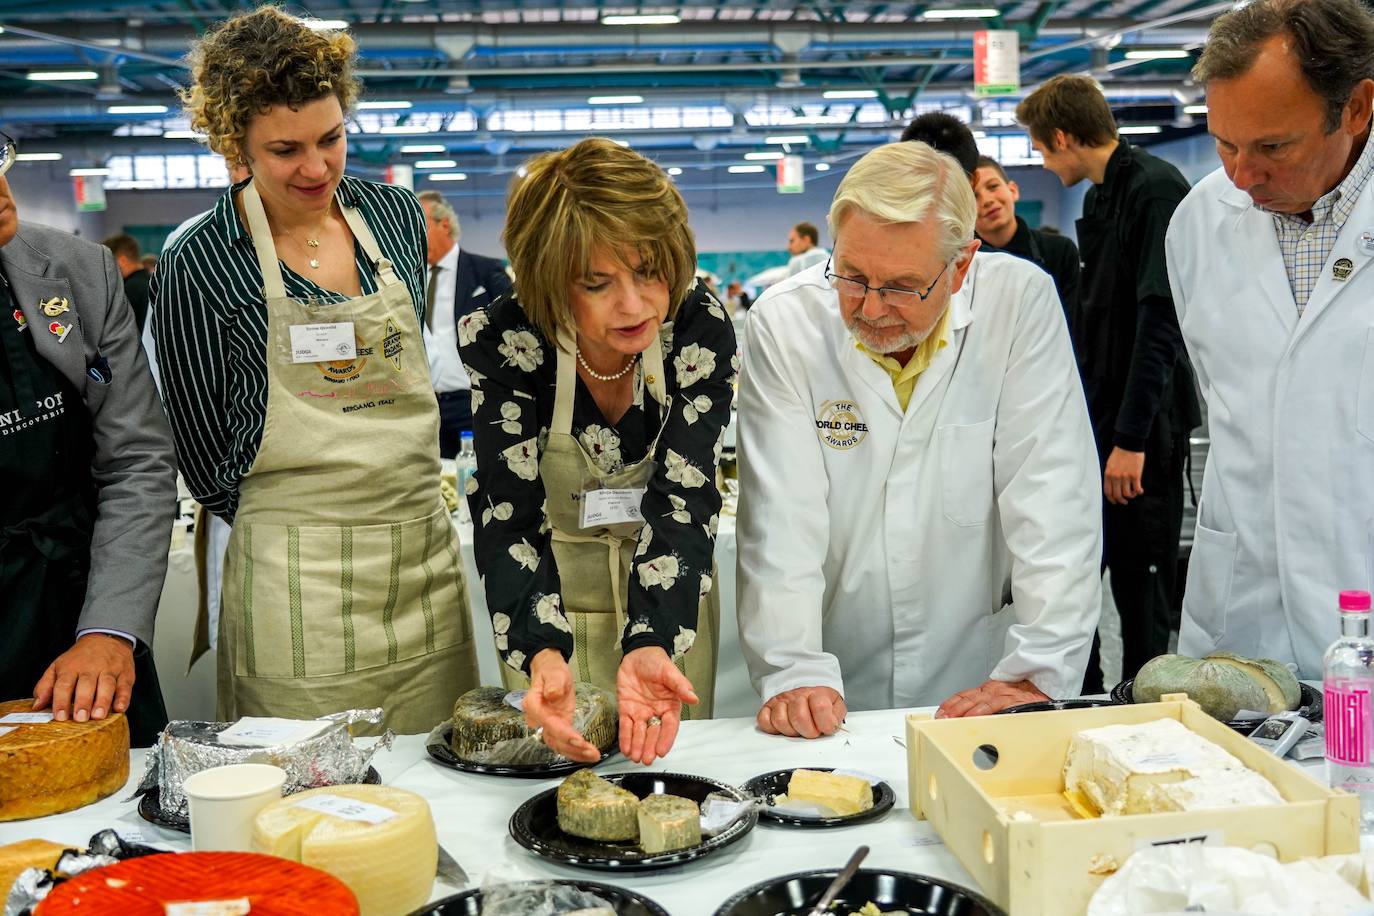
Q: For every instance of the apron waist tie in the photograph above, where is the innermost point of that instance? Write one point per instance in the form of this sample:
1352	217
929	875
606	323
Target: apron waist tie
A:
613	546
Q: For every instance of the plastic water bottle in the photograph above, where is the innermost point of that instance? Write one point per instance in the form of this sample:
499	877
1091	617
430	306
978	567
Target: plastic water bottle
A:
467	466
1348	683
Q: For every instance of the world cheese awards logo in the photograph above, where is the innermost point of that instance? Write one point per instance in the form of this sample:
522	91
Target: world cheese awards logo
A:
340	371
840	425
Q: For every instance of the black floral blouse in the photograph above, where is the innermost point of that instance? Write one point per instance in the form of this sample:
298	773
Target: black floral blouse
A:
513	369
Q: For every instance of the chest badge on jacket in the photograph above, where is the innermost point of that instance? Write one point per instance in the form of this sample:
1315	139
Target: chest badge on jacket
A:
840	424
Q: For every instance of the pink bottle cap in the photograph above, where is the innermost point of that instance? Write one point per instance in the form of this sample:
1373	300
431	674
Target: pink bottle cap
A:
1355	601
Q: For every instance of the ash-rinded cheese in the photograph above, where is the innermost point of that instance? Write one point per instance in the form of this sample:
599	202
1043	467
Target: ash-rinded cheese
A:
668	822
1158	766
591	807
482	719
842	794
378	840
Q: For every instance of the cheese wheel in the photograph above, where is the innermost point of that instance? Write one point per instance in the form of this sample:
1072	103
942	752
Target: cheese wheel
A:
668	822
483	719
152	885
378	840
595	809
16	857
54	767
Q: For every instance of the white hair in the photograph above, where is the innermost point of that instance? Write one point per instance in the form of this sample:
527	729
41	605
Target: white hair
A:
905	183
441	209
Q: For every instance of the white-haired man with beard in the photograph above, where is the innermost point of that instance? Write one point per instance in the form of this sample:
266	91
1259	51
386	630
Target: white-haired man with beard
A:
920	518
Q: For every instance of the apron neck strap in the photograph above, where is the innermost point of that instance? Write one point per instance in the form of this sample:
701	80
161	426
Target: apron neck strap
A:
272	285
566	379
386	275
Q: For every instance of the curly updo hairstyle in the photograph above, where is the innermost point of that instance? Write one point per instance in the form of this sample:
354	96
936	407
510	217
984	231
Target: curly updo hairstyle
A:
251	63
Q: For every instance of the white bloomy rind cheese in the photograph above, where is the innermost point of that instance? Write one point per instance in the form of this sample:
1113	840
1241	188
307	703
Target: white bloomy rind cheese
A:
378	840
1159	766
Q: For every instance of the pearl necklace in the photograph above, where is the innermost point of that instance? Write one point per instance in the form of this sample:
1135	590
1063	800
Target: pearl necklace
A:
605	378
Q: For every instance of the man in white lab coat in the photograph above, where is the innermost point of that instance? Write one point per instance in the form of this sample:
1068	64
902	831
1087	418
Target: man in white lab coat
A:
920	517
1269	260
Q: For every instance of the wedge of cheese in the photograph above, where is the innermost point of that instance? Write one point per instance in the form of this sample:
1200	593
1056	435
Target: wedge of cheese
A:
17	857
1158	766
668	822
592	808
378	840
843	795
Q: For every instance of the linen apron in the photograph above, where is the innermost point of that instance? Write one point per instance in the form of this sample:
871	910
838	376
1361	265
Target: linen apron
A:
342	582
594	564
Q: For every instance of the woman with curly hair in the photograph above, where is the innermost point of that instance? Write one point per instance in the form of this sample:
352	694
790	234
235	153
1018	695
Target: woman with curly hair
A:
288	332
600	394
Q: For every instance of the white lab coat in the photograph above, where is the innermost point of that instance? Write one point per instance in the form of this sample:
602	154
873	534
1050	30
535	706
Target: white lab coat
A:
944	546
1287	510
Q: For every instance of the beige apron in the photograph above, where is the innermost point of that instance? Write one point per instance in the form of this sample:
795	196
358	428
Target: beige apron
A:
594	564
342	582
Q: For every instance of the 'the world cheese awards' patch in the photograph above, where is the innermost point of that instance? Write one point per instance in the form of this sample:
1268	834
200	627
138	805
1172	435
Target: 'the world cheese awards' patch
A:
840	425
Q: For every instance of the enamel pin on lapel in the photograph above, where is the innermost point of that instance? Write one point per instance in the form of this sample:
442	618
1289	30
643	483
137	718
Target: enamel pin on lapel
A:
1342	268
21	320
60	330
55	306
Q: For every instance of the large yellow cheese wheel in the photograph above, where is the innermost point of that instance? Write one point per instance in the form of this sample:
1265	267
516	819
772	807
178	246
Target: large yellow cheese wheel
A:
51	767
378	840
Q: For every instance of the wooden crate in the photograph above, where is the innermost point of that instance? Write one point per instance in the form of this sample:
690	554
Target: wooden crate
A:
1013	830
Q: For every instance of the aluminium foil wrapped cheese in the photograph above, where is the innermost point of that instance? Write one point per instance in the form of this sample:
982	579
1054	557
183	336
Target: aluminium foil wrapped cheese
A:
378	840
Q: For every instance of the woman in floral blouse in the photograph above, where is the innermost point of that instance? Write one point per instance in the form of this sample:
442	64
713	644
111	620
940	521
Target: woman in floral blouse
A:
601	390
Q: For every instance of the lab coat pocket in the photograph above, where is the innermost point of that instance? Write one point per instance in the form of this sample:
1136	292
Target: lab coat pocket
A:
1364	407
1211	569
966	472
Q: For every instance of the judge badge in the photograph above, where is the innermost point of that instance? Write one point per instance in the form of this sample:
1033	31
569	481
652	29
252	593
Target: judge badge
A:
55	306
60	329
1342	268
21	320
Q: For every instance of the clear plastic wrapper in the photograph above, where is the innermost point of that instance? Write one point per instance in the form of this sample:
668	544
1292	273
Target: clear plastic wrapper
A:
509	892
719	811
329	758
106	848
493	711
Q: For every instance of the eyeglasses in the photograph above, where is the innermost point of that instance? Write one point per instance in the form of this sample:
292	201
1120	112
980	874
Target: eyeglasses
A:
894	297
8	153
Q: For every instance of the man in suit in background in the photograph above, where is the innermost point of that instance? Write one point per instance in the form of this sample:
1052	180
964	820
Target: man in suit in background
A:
90	482
136	276
459	282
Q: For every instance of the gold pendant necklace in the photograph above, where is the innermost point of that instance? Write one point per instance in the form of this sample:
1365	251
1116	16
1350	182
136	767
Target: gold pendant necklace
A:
314	243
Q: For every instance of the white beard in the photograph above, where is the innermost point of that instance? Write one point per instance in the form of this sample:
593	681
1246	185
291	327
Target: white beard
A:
878	341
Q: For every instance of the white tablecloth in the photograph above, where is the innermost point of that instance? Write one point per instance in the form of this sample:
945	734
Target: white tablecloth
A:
472	813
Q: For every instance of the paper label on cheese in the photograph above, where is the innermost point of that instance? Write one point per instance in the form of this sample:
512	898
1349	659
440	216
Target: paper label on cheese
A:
868	777
347	808
26	718
255	731
1201	838
240	906
516	699
6	729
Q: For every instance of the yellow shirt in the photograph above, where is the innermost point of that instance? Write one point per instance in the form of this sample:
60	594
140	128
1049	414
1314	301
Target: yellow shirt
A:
904	377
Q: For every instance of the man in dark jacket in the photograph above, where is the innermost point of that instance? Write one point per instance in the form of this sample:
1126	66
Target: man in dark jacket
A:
459	282
136	275
90	474
1141	396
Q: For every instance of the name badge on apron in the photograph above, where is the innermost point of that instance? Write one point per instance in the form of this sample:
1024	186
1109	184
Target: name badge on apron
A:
611	506
319	343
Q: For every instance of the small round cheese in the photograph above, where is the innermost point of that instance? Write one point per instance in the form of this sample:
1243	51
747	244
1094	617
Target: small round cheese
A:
378	840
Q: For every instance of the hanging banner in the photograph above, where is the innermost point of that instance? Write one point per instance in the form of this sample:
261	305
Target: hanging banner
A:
90	192
996	62
401	175
791	175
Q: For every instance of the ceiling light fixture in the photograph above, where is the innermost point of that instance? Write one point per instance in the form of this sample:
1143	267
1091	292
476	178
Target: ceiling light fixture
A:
414	148
1158	54
982	12
822	166
675	171
58	76
764	156
82	173
321	25
384	105
448	176
38	157
642	19
746	169
181	135
1132	129
615	100
406	129
1194	109
136	109
436	163
787	140
850	94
